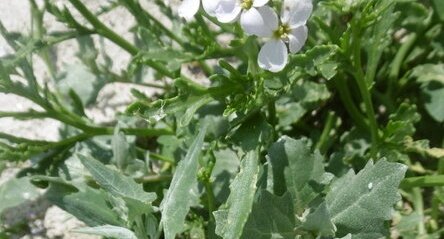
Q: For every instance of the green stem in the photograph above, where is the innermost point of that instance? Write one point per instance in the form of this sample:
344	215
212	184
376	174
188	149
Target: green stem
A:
323	140
117	39
424	181
347	100
395	67
365	91
418	203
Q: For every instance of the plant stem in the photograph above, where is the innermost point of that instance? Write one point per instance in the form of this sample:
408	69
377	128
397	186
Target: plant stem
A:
347	100
425	181
117	39
365	91
323	140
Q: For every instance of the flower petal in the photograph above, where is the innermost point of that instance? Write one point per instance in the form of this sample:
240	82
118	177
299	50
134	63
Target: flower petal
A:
257	21
228	11
273	56
188	9
260	3
297	12
210	6
297	38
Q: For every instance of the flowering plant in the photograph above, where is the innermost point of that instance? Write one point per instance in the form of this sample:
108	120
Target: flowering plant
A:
245	118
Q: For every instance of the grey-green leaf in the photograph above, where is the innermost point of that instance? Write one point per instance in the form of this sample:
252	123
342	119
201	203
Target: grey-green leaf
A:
231	217
16	191
116	183
319	221
272	217
108	231
303	170
177	200
361	203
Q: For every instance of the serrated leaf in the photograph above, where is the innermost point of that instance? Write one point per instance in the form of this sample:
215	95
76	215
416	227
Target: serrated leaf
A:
116	183
319	221
361	203
303	170
231	217
108	231
177	200
271	217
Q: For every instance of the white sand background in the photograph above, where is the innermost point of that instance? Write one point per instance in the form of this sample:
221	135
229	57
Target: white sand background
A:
15	16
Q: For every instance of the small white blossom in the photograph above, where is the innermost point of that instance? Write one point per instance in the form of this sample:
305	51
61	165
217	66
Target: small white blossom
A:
291	29
189	8
249	11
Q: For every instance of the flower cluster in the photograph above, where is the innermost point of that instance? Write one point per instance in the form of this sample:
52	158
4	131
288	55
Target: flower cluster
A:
283	34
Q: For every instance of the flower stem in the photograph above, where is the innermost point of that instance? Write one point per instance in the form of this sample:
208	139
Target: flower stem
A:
365	91
114	37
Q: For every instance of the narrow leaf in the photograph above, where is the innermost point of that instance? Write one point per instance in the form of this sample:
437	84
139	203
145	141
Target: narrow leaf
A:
231	217
116	183
108	231
177	200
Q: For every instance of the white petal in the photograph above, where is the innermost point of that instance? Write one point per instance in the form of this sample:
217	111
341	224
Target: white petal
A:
210	6
260	3
255	22
273	56
188	9
228	11
297	13
298	37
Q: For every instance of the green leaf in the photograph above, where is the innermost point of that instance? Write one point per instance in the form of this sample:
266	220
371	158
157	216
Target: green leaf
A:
116	183
108	231
120	148
319	221
439	8
231	217
271	217
304	173
431	78
89	206
177	200
318	60
15	192
361	203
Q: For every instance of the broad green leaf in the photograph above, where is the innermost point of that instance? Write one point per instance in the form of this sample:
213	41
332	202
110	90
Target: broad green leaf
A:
362	203
108	231
177	200
439	8
431	78
232	216
303	170
115	182
271	217
319	221
433	97
15	192
90	205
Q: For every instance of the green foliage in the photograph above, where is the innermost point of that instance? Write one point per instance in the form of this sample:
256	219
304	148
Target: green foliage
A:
318	150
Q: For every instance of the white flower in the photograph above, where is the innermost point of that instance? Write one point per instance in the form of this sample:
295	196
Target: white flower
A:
292	29
189	8
249	10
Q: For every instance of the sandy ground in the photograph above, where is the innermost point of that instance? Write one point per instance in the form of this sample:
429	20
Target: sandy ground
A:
52	222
